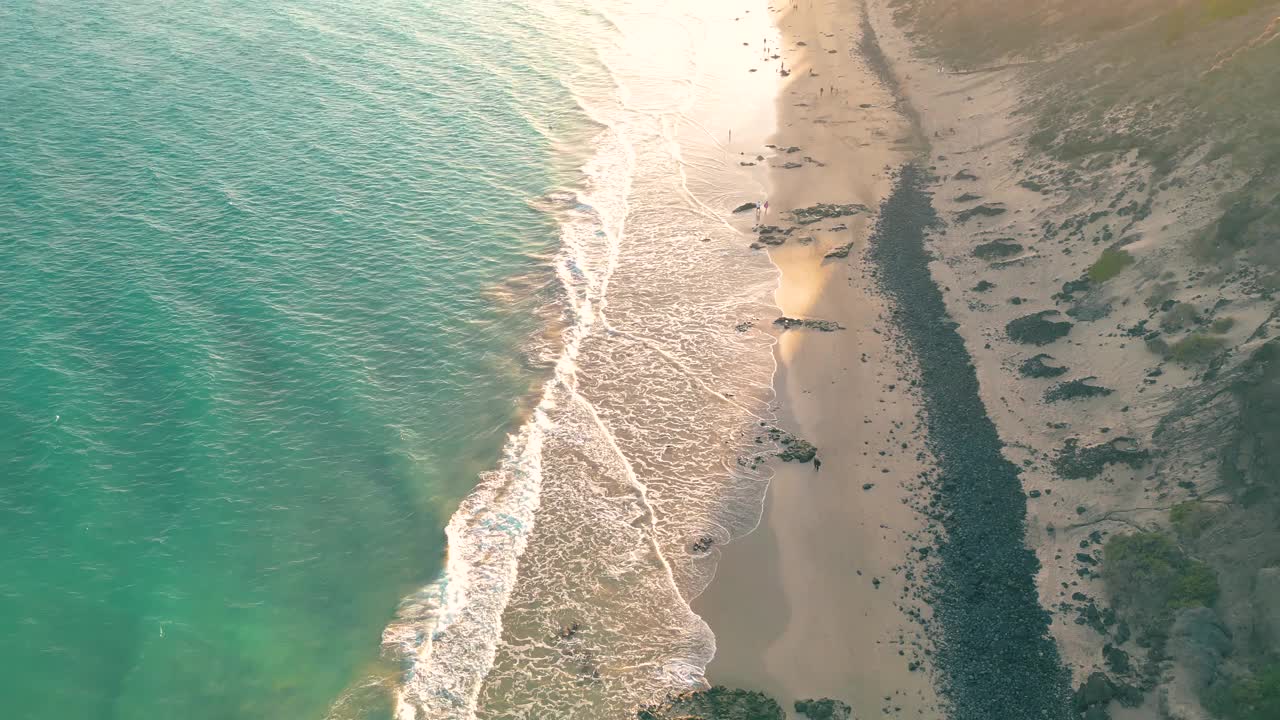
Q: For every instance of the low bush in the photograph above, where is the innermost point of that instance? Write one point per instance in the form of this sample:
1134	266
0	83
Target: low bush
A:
1254	697
1109	265
1151	578
1197	349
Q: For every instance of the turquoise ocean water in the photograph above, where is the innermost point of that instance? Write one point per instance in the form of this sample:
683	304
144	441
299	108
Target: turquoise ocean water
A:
271	284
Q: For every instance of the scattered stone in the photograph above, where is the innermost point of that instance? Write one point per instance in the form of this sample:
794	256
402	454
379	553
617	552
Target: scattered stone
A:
1036	367
787	323
824	709
1001	248
744	325
1075	390
984	210
702	545
1034	329
1075	461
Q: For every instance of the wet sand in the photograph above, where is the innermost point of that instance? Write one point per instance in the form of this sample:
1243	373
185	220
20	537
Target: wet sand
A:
813	604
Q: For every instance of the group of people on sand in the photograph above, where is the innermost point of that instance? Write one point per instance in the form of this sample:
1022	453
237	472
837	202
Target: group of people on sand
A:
762	206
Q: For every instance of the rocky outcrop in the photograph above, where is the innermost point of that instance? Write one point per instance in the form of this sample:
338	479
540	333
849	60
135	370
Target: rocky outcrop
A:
717	703
1037	329
996	249
1036	367
1076	461
824	709
788	323
1076	390
822	211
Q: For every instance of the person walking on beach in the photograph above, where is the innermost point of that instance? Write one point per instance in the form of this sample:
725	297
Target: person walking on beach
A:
757	212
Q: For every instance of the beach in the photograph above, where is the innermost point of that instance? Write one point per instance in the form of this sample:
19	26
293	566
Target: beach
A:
813	604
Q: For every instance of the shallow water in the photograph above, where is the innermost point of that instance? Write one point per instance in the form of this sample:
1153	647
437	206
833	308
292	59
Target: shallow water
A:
270	281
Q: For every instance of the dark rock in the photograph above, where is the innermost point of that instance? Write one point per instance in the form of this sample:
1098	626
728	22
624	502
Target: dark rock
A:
798	451
1075	390
1036	367
1074	461
983	286
983	210
965	175
824	709
792	165
1117	660
702	544
1035	329
823	211
1095	691
1031	185
744	207
839	252
1002	248
717	703
787	323
968	197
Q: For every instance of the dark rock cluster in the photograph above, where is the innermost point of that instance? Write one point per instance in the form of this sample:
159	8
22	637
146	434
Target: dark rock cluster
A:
788	323
996	249
717	703
993	652
1075	390
1075	461
822	211
824	709
1037	329
1036	367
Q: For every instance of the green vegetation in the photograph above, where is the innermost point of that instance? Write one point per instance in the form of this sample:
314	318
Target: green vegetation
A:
1191	518
1109	265
1256	697
1222	325
1196	349
1223	9
1149	576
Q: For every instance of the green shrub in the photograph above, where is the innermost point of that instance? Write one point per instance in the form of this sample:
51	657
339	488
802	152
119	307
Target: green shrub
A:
1191	518
1196	349
1256	697
1149	576
1223	9
1109	265
1197	586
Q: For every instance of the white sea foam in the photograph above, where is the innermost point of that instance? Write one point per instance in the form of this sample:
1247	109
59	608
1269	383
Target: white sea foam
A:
569	573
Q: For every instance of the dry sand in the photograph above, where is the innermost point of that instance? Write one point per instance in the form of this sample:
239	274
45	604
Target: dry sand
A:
811	604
